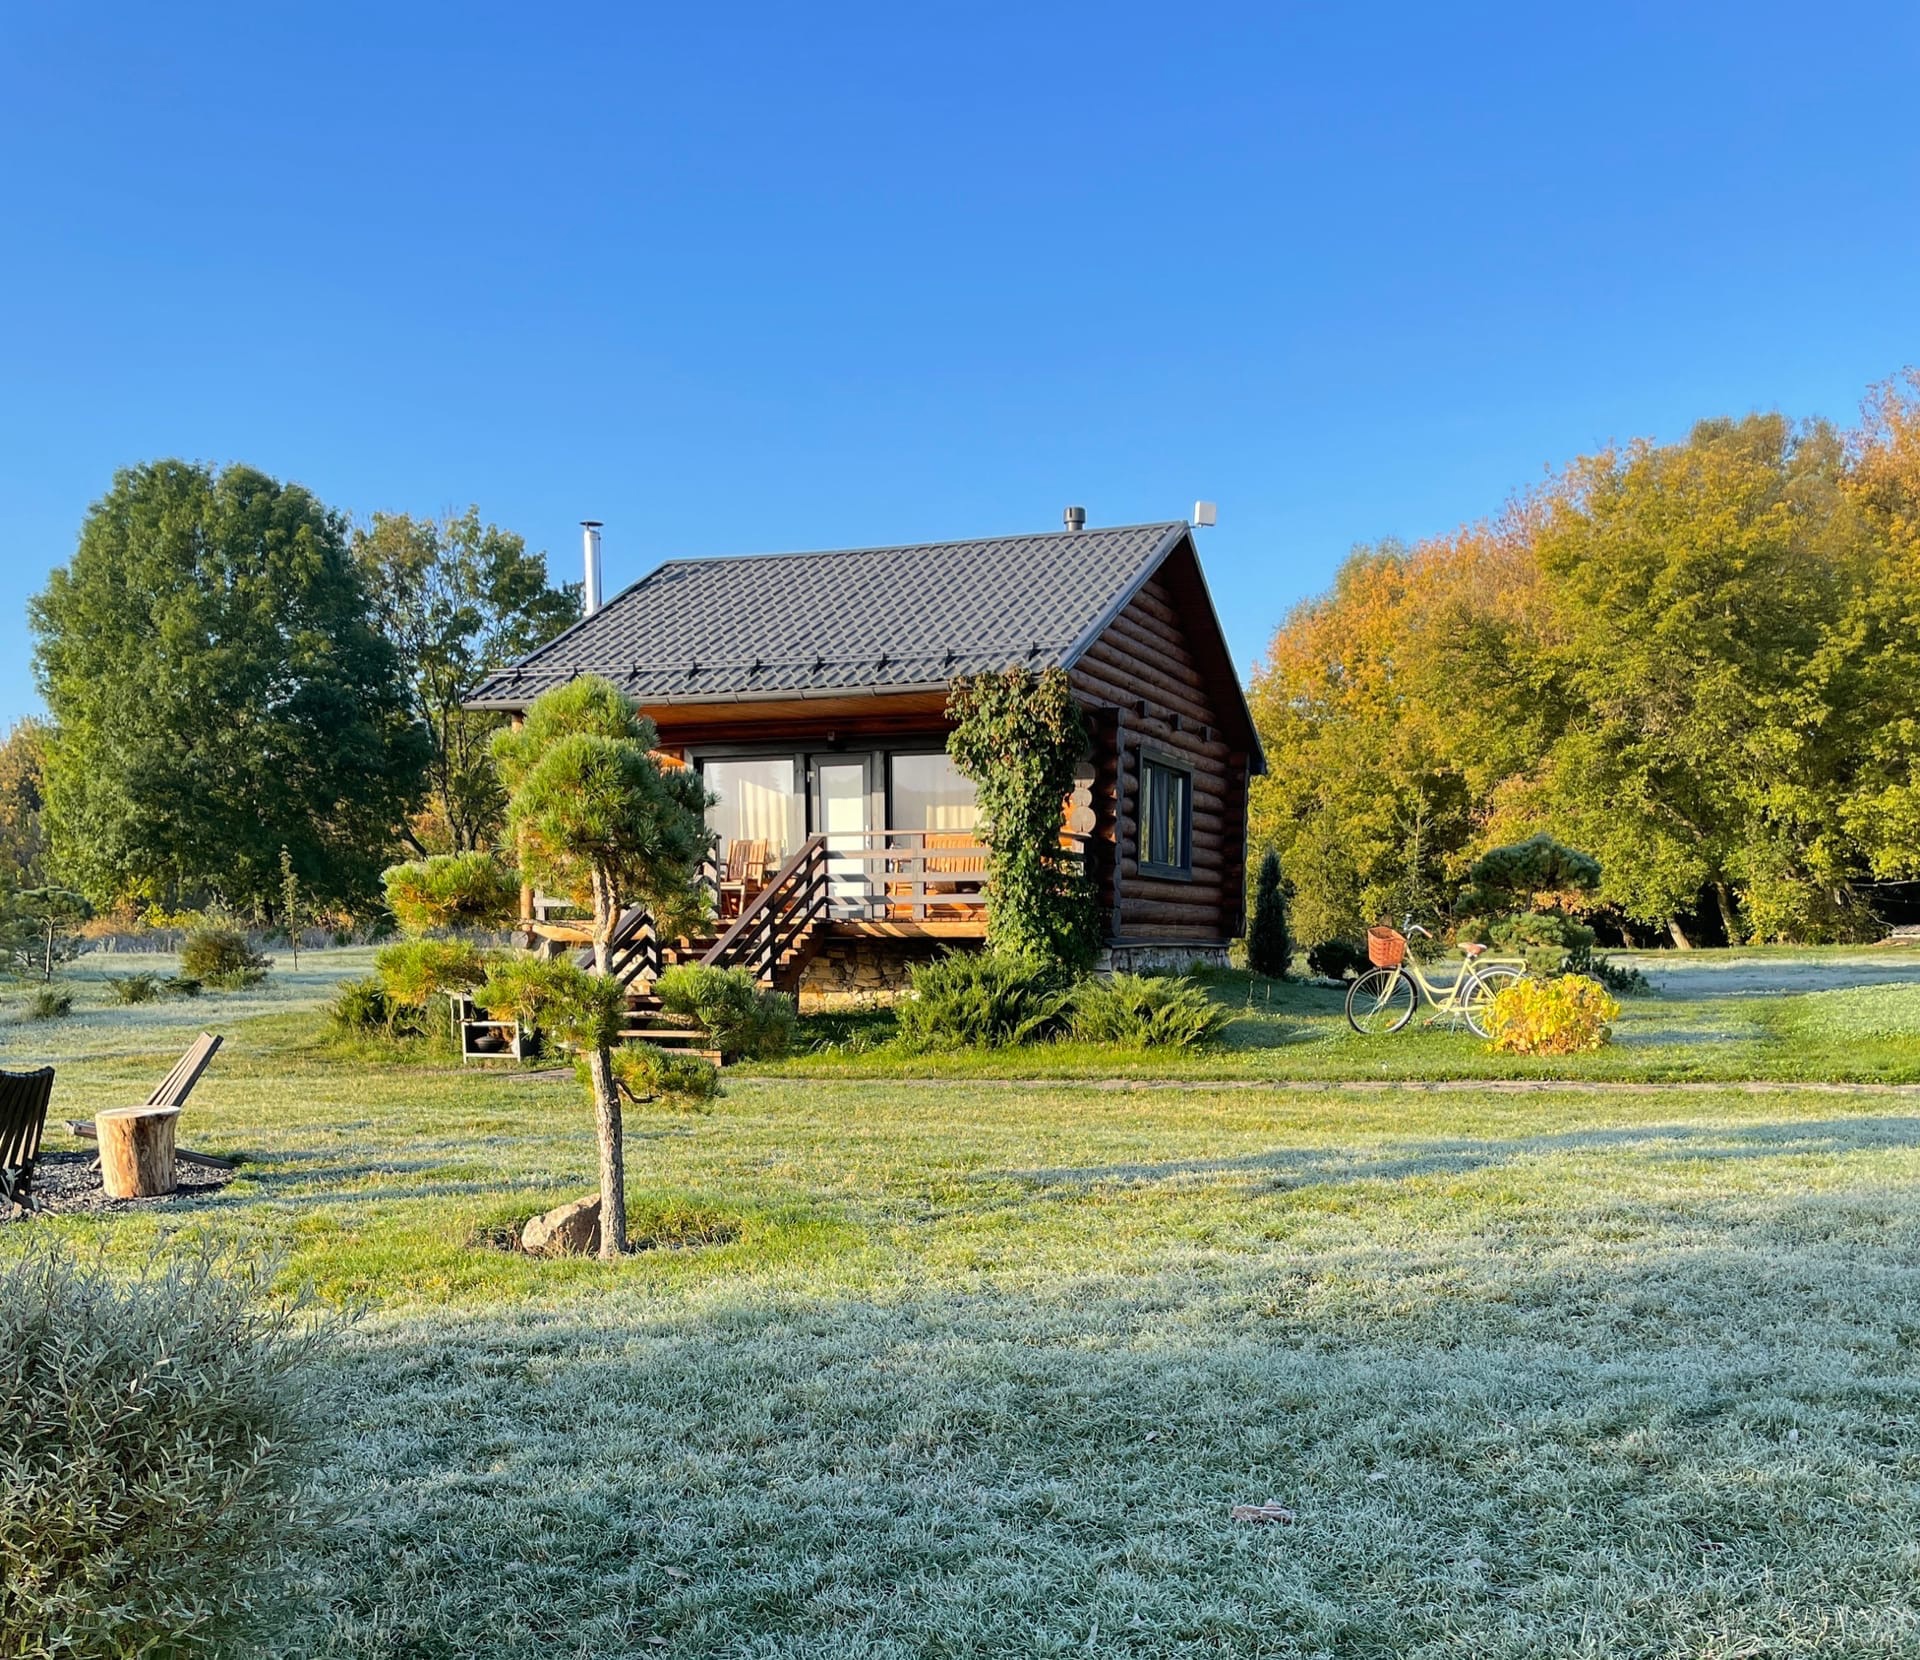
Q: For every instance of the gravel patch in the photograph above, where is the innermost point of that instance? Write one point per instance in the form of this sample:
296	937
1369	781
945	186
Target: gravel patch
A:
68	1182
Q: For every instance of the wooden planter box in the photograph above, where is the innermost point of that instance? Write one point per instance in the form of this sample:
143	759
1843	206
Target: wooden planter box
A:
481	1039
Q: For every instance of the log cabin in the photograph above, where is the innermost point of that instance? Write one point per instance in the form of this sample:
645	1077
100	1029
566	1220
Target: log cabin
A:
809	690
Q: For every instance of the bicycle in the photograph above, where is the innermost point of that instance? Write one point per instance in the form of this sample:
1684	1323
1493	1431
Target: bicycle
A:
1386	997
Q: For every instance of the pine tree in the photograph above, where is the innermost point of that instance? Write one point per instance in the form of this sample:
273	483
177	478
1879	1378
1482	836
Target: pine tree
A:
1268	948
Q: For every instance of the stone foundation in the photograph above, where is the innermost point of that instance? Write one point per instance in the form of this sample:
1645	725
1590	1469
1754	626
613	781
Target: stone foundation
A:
1139	959
851	972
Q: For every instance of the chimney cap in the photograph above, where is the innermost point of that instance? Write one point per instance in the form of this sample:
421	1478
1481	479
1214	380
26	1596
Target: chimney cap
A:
592	524
1075	518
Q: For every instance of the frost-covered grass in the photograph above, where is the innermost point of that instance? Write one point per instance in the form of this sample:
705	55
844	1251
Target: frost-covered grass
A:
978	1368
1700	1032
1869	1012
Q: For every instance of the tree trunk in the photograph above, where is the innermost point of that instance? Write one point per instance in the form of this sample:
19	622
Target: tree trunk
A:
613	1168
1727	919
606	917
1679	935
136	1151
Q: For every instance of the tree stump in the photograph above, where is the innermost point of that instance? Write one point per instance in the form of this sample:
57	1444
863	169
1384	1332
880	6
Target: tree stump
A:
136	1151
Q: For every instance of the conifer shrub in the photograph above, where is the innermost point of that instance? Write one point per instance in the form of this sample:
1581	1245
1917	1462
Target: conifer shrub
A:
154	1435
745	1020
49	1003
984	999
1268	948
1145	1011
361	1006
1337	959
134	988
1569	1015
412	973
648	1072
452	890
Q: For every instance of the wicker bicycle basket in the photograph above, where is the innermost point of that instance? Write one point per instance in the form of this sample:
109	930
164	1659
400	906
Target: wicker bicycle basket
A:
1386	947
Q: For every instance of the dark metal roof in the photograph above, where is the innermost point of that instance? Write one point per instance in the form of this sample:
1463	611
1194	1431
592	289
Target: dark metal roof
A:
862	620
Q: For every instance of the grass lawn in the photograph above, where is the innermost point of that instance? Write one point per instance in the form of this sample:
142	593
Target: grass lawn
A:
977	1366
1823	1014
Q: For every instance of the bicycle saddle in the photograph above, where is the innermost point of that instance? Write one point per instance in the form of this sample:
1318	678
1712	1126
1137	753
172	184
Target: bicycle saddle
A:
1471	948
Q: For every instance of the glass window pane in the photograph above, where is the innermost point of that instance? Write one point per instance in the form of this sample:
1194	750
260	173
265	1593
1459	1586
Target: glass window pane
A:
1165	794
930	793
758	802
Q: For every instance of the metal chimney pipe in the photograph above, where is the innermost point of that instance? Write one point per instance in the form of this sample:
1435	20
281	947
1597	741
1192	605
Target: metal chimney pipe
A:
590	538
1075	518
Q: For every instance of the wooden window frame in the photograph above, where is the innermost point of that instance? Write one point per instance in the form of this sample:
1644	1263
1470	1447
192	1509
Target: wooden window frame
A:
1152	760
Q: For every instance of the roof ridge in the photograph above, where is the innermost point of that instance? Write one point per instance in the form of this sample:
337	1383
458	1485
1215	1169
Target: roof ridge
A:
910	547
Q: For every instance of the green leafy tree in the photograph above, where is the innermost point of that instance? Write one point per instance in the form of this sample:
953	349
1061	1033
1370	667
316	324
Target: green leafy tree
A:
1018	736
458	598
23	841
218	693
1268	948
595	815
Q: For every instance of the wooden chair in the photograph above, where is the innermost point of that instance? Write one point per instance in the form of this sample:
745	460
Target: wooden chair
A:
744	876
173	1092
23	1117
960	874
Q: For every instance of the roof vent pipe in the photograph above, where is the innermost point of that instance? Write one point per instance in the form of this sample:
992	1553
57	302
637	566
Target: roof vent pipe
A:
1075	518
590	540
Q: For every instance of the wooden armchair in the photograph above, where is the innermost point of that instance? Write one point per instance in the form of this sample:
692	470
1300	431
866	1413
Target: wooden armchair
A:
744	876
23	1119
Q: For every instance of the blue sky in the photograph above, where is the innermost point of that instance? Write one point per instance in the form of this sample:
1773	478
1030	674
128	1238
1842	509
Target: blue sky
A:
741	279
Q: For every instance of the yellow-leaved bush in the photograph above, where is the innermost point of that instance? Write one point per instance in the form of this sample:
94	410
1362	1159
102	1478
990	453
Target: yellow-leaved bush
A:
1568	1015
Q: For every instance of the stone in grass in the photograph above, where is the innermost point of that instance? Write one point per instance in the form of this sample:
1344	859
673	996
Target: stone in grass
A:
1272	1514
569	1231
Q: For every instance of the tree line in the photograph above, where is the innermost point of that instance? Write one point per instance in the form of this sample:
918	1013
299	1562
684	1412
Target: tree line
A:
232	669
1698	661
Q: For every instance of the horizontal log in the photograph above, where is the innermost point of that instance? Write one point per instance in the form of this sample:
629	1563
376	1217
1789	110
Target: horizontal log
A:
1124	679
1124	673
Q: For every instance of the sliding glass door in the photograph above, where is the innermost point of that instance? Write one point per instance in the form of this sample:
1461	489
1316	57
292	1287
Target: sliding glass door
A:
843	813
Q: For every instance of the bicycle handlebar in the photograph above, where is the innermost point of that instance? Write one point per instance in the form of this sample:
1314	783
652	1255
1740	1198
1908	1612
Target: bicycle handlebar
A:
1410	928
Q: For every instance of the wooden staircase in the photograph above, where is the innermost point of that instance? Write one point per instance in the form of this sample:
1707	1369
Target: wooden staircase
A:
774	938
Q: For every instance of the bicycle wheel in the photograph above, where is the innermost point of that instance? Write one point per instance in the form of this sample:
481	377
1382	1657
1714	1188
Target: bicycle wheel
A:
1382	1000
1476	1001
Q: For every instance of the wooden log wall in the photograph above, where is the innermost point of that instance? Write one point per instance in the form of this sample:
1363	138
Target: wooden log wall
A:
1148	689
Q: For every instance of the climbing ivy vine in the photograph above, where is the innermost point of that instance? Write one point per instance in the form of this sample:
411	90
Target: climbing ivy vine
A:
1018	735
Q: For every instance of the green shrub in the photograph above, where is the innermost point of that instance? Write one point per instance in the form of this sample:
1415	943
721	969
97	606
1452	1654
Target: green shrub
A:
1620	980
50	1003
414	972
985	999
1337	959
1146	1011
647	1071
1551	943
361	1006
452	890
154	1433
220	957
1565	1016
746	1021
1269	951
134	988
180	985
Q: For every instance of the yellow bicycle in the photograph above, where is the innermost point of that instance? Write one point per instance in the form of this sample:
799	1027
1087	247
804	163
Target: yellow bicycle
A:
1386	997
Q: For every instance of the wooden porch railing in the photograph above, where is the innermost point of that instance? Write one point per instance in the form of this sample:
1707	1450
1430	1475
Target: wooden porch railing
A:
778	919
